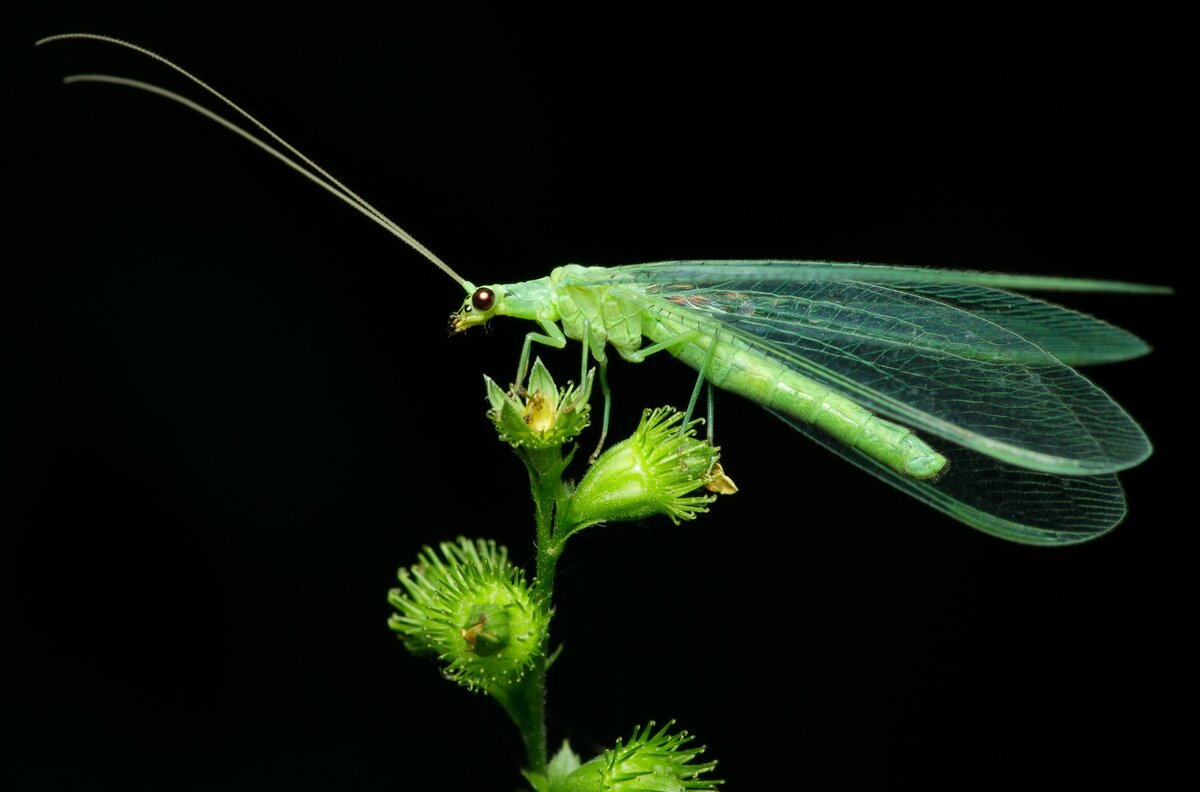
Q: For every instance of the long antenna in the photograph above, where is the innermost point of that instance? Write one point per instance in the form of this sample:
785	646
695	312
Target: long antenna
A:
305	166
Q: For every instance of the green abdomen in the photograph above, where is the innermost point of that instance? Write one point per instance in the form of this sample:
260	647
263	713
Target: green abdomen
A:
737	367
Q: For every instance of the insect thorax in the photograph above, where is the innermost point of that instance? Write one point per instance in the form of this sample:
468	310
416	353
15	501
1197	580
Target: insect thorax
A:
600	310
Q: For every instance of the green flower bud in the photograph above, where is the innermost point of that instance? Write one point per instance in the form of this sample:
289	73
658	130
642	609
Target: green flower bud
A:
657	762
472	609
650	473
546	417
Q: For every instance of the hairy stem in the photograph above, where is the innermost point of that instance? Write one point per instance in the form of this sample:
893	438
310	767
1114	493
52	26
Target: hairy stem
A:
528	704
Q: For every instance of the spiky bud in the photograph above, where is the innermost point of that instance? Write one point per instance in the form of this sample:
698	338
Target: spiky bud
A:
650	473
473	609
650	761
546	416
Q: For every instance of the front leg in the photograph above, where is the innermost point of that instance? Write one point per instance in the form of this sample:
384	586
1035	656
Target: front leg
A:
553	337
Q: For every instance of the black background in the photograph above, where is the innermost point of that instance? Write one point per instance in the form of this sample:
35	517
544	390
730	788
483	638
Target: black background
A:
233	410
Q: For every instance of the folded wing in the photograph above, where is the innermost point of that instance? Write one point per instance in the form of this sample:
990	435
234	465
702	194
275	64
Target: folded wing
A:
981	367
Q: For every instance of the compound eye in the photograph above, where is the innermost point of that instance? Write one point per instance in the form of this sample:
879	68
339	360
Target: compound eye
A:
483	299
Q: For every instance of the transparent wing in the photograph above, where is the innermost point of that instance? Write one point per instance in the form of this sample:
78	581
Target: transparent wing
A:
1020	505
780	271
1034	444
928	363
1074	338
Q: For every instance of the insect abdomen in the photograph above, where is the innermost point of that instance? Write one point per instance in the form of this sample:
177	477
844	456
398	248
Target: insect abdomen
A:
737	367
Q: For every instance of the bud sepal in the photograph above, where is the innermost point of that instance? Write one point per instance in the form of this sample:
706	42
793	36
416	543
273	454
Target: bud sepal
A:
558	769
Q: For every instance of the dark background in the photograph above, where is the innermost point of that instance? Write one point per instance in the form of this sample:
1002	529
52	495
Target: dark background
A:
233	410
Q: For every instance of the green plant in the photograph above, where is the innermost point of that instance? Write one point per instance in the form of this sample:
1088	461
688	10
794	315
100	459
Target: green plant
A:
467	605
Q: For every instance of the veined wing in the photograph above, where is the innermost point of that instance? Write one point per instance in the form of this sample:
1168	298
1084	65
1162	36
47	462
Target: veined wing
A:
781	271
924	362
1074	338
1020	505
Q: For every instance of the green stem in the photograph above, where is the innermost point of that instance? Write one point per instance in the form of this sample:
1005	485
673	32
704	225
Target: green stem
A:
527	704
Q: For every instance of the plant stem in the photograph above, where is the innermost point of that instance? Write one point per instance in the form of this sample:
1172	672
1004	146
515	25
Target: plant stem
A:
525	704
528	704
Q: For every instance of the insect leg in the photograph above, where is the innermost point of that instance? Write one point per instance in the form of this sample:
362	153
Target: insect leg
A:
583	364
717	482
553	337
583	376
687	416
639	355
602	362
709	425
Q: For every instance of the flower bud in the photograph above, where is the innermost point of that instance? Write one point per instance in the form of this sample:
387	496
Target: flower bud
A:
657	762
546	417
650	473
472	609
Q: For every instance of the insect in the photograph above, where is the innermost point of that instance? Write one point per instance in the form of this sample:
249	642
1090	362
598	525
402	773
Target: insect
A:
954	387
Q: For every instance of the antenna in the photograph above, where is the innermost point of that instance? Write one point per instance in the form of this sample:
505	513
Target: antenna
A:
300	163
